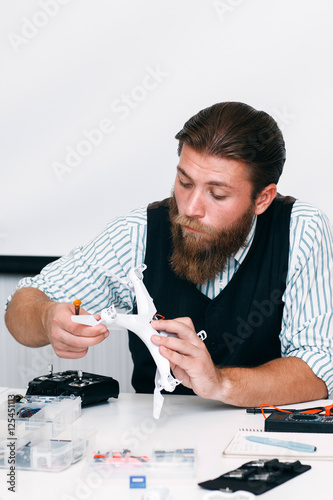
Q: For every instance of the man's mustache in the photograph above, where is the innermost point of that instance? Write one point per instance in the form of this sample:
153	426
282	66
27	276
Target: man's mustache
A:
184	220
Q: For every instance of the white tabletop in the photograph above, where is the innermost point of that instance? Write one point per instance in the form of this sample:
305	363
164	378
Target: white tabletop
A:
185	422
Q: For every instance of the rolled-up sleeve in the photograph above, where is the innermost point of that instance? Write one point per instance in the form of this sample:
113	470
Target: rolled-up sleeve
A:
307	323
78	275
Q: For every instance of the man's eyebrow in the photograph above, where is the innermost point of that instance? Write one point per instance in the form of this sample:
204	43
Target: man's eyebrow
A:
179	169
209	183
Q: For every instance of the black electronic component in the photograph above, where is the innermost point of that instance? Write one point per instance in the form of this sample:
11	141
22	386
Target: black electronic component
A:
299	422
257	476
90	387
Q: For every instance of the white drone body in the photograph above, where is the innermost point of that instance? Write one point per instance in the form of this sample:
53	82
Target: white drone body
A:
139	324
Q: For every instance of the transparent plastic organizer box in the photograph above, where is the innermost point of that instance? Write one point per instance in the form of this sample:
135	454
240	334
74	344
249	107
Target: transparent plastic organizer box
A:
42	433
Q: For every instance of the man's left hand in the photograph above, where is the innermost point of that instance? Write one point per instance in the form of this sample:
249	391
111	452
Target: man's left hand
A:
189	358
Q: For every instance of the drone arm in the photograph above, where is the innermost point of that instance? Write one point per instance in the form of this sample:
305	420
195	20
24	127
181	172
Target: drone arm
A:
85	319
141	326
144	301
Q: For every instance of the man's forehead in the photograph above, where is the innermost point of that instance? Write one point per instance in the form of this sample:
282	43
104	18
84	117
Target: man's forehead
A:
189	157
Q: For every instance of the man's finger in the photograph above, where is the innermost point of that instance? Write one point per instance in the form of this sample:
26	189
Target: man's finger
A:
174	344
69	341
87	331
63	353
183	328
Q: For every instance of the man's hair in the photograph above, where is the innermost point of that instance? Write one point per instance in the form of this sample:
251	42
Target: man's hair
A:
237	131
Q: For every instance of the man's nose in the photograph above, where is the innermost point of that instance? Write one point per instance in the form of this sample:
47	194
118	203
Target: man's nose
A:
195	205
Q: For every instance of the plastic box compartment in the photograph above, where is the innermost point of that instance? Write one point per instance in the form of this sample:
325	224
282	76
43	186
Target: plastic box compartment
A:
47	440
159	463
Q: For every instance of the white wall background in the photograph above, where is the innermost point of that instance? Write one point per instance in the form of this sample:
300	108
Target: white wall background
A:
138	69
141	68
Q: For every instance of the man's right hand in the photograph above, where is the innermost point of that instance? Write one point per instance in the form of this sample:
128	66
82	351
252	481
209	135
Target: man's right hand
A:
68	339
35	321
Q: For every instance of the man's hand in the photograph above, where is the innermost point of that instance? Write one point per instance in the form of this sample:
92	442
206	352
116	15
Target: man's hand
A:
69	339
34	320
189	358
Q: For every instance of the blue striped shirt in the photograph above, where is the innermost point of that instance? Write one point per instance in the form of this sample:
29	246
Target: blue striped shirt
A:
307	322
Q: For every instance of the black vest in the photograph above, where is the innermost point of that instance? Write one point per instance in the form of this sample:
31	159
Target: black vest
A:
244	321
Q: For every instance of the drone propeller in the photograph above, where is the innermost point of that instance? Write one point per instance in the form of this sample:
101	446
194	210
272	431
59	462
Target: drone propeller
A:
86	319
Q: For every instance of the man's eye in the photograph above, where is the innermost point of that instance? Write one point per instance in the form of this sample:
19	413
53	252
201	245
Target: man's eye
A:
184	184
218	196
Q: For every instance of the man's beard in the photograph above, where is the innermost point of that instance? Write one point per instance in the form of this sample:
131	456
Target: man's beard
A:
197	258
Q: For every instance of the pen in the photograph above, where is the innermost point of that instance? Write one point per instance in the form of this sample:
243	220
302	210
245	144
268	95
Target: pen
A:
77	304
291	445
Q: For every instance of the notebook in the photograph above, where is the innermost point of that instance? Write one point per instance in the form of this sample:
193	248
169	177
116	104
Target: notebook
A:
239	446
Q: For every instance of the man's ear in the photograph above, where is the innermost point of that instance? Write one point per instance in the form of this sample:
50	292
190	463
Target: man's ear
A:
265	198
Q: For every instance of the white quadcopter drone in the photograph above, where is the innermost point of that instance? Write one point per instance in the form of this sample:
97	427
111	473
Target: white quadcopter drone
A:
139	324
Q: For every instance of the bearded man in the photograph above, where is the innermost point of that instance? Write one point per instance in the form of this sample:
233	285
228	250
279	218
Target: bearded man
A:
226	254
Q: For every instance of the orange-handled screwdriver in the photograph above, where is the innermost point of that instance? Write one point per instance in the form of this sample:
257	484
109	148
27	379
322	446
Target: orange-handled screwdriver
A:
77	304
